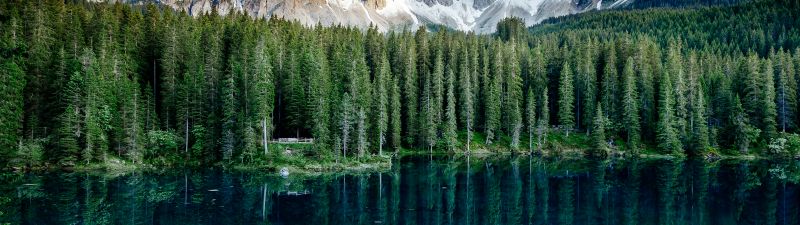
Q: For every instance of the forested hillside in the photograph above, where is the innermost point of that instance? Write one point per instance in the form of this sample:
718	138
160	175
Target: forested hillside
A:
85	82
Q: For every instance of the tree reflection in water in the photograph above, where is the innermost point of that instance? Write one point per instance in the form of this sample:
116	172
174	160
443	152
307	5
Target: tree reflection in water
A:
443	190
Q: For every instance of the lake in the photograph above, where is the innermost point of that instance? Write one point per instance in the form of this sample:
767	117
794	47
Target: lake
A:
421	190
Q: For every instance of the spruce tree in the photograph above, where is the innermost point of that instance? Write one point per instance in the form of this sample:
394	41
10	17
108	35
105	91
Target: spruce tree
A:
743	133
696	123
785	86
230	112
768	102
493	90
599	142
588	76
513	97
566	99
346	122
11	111
467	95
544	119
264	94
666	134
381	102
530	115
450	124
610	83
409	92
630	110
395	126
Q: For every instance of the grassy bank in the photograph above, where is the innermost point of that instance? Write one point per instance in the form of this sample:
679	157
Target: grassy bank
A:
577	145
304	159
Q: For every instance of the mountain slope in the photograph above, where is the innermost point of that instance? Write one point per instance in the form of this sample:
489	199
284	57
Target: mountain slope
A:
480	16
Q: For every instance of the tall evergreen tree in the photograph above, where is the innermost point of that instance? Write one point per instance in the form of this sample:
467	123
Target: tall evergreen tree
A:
346	123
513	97
696	125
610	83
544	119
11	111
630	110
409	91
530	115
666	134
743	133
566	99
381	102
264	94
492	103
230	111
785	86
467	95
449	133
395	124
768	107
600	147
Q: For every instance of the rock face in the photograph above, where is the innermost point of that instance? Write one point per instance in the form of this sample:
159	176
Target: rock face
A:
480	16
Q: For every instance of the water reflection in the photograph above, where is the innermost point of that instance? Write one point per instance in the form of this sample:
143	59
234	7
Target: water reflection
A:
516	190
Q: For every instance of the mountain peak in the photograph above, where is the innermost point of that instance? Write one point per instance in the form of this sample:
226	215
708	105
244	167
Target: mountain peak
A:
480	16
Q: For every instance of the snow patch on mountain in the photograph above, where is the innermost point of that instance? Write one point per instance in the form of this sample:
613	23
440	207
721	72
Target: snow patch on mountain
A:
480	16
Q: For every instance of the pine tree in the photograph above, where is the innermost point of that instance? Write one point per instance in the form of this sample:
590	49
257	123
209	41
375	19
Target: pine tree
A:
666	135
599	142
11	111
630	111
785	86
170	65
752	89
544	119
395	126
768	101
428	125
230	94
295	94
381	102
588	76
437	90
699	127
264	94
566	115
610	83
361	90
513	97
680	91
467	105
492	92
346	123
530	113
743	133
449	133
696	125
409	91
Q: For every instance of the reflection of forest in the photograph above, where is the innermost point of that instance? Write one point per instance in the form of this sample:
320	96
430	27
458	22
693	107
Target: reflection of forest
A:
517	190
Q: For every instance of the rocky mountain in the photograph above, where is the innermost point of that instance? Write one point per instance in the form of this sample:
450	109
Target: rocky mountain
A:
480	16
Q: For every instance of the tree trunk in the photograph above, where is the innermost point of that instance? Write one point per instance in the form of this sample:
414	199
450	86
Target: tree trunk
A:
264	138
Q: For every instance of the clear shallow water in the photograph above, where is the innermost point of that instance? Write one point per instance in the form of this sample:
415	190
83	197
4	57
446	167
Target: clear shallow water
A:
420	190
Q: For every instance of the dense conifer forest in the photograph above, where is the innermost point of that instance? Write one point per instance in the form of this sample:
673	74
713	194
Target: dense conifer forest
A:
84	83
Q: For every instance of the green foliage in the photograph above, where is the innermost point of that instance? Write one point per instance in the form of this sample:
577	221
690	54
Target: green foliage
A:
667	135
29	154
223	87
743	133
162	147
630	103
566	98
599	141
11	111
